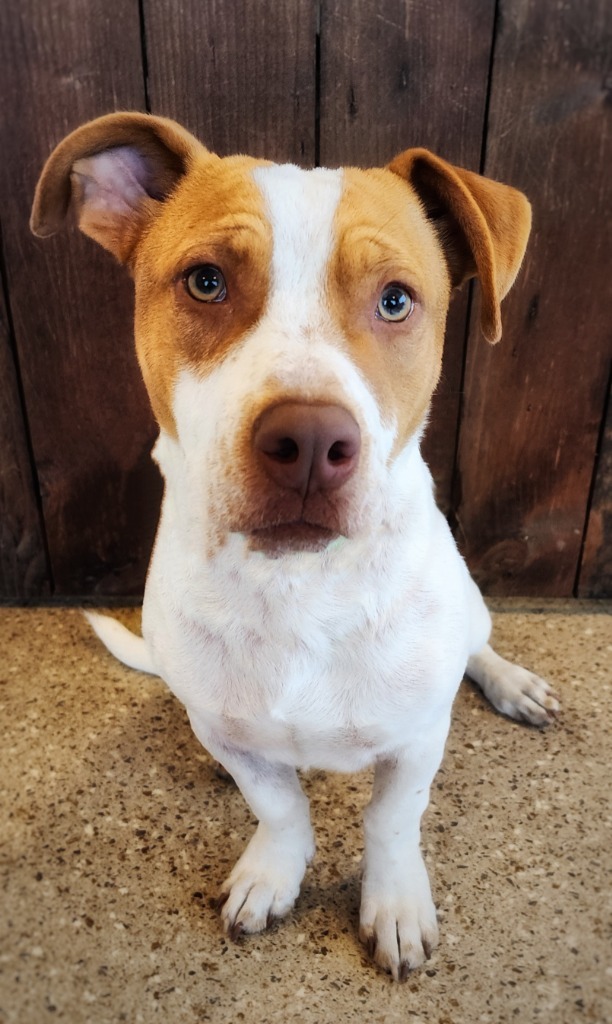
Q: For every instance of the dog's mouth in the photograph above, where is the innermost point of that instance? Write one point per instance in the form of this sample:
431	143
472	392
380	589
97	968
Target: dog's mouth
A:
291	537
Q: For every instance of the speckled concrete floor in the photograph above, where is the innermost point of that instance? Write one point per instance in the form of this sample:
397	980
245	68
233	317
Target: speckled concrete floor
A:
116	833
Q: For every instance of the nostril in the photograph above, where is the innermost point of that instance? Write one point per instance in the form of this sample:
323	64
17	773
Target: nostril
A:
285	450
340	451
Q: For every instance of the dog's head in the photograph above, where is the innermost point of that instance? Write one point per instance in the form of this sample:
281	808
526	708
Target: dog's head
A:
289	324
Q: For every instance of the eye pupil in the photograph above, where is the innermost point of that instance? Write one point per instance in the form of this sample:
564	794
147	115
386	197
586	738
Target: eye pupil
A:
395	303
206	283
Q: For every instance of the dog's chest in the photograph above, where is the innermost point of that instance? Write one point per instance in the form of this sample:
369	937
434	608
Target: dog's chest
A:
329	672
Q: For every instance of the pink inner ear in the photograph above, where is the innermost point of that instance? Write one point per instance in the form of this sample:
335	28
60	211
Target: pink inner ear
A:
112	183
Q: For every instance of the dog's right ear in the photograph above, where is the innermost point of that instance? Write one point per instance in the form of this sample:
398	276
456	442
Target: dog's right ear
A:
482	225
115	170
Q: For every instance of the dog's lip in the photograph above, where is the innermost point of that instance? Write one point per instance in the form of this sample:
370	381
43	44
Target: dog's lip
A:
298	535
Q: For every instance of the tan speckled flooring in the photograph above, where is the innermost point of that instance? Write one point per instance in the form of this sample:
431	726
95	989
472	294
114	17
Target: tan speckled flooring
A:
116	832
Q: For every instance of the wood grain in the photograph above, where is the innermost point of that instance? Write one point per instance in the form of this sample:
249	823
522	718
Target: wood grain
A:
534	404
60	64
24	574
400	73
596	569
240	74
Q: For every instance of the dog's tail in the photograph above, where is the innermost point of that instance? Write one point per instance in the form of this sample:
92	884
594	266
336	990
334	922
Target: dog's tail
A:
121	642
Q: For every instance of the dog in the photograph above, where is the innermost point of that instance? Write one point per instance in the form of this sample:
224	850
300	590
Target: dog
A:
305	598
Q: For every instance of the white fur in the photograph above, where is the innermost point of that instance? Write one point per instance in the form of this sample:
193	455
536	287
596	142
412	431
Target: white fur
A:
121	642
301	207
336	659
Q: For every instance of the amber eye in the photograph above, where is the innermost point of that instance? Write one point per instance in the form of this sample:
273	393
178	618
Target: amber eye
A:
395	303
206	283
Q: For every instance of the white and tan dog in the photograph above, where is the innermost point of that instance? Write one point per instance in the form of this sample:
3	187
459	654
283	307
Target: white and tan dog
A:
305	599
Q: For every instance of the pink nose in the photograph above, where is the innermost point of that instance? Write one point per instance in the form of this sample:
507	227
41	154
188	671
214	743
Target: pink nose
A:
307	448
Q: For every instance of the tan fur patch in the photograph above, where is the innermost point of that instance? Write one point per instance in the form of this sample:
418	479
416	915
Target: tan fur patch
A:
215	216
483	225
383	236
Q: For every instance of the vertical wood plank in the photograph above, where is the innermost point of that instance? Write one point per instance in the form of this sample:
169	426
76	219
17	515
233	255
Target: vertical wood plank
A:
61	63
400	73
239	74
596	569
23	565
533	404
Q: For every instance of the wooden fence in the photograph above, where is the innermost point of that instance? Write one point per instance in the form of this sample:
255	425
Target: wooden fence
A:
520	89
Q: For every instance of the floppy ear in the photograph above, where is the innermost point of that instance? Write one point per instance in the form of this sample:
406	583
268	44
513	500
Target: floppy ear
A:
115	170
483	226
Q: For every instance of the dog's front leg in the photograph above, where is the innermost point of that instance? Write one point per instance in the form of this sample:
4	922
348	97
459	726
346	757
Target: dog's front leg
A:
398	918
266	880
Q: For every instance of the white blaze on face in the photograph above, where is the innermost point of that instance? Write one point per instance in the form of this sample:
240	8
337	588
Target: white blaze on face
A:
298	342
301	206
296	349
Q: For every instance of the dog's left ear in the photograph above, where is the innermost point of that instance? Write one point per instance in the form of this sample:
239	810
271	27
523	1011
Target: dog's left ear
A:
116	171
483	226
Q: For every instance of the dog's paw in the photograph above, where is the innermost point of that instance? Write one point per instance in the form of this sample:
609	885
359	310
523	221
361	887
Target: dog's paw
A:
265	882
513	690
522	695
398	921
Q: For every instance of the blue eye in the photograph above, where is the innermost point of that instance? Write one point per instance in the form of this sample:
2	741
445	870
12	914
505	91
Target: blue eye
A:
395	303
206	283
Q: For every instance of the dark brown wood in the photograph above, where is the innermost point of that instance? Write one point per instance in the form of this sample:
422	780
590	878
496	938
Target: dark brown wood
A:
240	74
23	566
533	404
596	569
60	64
400	73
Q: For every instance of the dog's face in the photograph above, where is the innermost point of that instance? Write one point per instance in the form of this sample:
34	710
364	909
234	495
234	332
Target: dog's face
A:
296	348
289	323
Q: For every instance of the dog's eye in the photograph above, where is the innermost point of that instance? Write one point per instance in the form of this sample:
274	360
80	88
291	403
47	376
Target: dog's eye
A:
395	303
206	283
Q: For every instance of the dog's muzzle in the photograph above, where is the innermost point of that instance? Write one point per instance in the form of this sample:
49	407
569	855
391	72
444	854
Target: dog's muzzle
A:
307	448
305	454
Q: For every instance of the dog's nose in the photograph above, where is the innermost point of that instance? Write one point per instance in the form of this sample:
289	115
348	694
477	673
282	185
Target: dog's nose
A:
307	448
